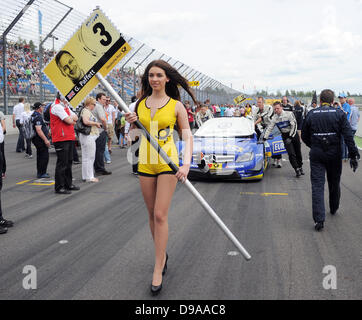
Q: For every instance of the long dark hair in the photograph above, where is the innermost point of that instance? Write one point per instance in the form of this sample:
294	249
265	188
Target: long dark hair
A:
171	89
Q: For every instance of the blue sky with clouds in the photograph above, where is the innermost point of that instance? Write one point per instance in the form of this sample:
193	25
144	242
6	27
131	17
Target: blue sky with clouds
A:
274	44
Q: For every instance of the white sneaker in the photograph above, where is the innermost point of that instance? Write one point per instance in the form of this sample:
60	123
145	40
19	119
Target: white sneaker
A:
108	162
279	163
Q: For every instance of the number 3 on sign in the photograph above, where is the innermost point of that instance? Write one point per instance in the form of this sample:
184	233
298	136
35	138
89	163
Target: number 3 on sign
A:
104	33
98	35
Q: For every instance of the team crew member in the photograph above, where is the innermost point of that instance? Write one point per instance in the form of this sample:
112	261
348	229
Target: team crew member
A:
262	119
286	105
203	115
347	110
299	114
322	133
17	111
62	121
263	116
160	107
286	123
41	140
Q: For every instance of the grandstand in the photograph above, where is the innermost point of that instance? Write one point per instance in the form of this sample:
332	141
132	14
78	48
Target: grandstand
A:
52	19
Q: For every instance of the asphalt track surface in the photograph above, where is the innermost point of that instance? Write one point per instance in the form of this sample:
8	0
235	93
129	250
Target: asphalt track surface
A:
108	252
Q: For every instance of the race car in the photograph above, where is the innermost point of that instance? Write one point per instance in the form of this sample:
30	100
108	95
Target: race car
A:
228	148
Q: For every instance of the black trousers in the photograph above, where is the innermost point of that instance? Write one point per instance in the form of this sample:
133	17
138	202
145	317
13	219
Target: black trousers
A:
100	148
20	146
28	147
2	149
1	182
42	156
322	162
63	169
294	150
75	153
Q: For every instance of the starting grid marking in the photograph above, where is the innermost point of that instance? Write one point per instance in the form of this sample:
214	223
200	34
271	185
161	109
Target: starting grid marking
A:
37	182
263	194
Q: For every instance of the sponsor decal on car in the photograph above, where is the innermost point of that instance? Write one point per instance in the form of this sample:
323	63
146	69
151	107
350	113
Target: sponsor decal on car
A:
278	147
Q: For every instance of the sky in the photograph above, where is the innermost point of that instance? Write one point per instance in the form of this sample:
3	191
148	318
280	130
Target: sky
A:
262	44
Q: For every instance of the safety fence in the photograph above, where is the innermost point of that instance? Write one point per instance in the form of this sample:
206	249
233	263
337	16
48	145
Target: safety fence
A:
32	32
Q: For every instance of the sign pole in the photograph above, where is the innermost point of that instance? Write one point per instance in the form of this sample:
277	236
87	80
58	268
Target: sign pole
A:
174	168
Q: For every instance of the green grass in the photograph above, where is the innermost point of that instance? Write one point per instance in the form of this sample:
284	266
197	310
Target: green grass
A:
358	141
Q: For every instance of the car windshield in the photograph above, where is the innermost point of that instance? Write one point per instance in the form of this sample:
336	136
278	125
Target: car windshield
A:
227	127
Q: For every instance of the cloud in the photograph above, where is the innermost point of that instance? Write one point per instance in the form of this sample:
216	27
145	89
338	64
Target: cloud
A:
275	44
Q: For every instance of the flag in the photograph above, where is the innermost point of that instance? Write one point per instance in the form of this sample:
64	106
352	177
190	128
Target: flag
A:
40	16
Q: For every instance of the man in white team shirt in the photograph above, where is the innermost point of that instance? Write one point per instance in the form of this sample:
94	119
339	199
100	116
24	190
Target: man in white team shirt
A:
229	112
111	120
17	111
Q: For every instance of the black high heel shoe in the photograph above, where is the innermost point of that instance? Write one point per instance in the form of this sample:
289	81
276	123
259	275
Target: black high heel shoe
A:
155	290
165	266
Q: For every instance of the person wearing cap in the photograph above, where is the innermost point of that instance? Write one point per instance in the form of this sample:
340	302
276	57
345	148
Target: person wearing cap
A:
347	110
62	121
41	140
322	132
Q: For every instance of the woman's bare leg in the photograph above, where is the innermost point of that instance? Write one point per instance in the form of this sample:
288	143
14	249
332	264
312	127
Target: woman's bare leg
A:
149	188
166	185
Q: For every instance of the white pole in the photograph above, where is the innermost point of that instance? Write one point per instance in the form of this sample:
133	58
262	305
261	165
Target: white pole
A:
188	184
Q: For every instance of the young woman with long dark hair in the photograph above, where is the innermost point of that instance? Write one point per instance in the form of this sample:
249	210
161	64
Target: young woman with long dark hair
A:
159	109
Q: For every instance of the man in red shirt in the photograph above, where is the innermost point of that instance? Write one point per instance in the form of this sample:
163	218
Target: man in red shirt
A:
190	115
62	121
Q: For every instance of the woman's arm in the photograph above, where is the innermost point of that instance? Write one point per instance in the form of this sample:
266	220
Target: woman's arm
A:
186	135
88	122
